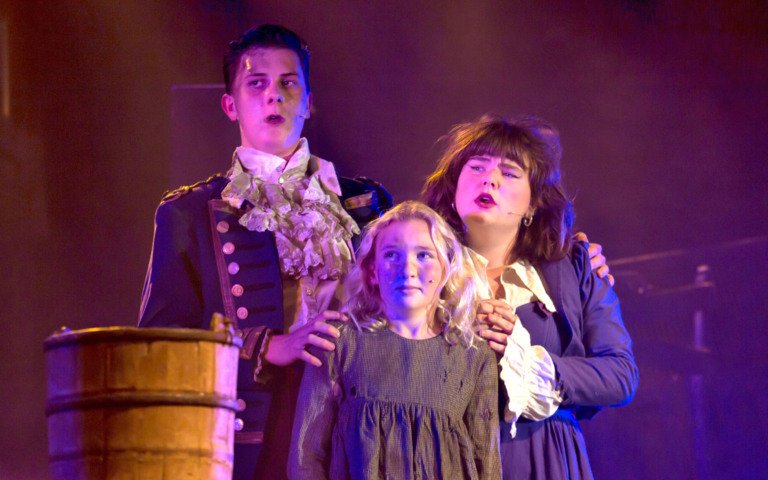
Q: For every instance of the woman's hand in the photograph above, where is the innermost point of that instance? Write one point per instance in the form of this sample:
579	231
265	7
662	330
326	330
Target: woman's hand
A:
496	320
285	349
597	260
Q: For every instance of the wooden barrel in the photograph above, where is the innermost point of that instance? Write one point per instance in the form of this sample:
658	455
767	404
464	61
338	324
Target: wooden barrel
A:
141	404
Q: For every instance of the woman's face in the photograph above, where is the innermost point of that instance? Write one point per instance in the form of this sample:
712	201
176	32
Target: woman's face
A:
492	191
407	268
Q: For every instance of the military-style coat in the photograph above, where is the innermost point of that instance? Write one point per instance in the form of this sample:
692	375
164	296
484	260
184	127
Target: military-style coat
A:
204	262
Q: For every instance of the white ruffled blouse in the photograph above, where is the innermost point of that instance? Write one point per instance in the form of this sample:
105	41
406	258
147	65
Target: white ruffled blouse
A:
527	371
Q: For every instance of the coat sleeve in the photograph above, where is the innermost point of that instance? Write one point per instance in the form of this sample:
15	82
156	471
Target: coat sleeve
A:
172	288
316	408
606	374
482	418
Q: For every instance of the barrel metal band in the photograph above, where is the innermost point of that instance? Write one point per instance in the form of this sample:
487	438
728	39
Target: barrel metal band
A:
137	399
145	454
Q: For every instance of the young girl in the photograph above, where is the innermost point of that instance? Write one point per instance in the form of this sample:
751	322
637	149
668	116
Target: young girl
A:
409	392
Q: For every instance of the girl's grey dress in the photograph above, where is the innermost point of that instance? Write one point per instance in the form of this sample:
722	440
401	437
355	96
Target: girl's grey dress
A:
383	406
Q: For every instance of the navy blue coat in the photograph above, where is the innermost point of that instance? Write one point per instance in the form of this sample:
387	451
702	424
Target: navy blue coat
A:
597	367
592	353
204	262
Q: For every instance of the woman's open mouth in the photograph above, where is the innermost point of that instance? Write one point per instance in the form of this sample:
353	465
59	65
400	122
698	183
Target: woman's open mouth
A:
485	200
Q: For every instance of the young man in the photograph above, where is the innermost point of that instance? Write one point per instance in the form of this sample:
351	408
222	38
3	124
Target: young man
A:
266	244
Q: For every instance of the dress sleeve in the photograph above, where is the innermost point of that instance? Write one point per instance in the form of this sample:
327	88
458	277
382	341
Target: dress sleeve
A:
482	419
316	408
171	295
607	374
529	377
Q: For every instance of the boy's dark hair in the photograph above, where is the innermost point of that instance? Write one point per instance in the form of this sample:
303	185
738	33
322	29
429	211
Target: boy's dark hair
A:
268	36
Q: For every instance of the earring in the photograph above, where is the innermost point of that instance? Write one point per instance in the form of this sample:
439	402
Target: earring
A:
527	221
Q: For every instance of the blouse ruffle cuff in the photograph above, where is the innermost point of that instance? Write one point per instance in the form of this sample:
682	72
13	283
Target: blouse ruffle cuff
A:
529	378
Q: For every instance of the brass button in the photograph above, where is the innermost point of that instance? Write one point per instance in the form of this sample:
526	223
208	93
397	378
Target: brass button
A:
222	226
237	290
242	313
228	248
239	424
240	404
233	268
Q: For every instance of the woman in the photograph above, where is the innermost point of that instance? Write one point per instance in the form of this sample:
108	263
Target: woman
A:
565	350
409	391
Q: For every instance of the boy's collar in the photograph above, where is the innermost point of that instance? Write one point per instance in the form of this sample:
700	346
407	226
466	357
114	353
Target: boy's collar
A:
264	165
270	167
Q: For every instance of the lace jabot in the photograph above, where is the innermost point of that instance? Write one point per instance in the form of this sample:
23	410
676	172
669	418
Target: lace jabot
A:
297	201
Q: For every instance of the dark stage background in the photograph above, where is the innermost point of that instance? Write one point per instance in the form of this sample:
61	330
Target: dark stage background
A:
662	106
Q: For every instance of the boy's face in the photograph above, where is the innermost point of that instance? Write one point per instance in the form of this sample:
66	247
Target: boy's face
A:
269	100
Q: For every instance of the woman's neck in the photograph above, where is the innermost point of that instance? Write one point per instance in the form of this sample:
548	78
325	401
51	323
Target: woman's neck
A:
496	247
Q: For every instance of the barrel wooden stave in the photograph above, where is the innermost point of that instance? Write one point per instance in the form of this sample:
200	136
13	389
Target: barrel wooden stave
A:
103	423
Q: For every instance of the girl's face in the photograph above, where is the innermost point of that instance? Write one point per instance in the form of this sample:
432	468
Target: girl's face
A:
407	269
493	191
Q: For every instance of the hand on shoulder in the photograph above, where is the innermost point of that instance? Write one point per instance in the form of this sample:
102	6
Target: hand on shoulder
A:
597	260
287	348
496	320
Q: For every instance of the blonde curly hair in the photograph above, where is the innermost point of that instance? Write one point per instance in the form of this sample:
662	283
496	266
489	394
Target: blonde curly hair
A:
455	308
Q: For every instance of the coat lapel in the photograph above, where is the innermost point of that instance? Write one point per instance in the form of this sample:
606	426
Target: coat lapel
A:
553	277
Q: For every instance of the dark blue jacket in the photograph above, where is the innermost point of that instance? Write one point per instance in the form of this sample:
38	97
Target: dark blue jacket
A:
204	262
597	367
